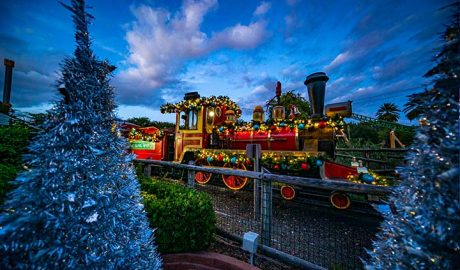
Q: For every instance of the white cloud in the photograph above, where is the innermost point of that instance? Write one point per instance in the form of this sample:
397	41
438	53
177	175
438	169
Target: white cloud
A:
241	36
293	71
161	42
339	60
361	92
263	8
292	2
125	112
259	89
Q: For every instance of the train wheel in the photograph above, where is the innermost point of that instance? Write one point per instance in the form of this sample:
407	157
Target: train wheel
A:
232	181
202	177
340	200
288	192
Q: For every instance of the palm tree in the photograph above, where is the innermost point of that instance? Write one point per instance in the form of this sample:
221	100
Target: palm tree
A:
388	112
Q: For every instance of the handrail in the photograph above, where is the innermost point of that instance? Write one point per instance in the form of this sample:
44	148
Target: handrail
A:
373	150
292	180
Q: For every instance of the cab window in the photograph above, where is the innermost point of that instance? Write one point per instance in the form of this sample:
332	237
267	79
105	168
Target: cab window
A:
188	120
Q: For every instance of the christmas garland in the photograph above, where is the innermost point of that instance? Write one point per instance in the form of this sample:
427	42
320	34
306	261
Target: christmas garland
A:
370	178
301	124
269	160
276	162
198	103
139	135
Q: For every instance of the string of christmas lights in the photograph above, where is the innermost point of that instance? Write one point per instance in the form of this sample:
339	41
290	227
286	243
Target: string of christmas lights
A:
299	124
370	178
270	160
198	103
135	134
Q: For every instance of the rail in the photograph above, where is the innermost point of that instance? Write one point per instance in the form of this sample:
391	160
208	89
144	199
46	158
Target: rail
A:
383	160
380	123
373	150
291	180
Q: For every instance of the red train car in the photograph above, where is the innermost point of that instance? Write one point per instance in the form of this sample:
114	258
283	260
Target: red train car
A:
149	142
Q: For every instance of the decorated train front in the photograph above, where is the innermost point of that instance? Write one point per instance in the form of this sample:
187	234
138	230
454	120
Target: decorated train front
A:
208	132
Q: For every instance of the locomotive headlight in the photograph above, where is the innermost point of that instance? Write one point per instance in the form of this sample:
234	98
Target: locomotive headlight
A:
211	113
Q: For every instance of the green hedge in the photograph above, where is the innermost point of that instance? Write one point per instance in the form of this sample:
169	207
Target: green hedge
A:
13	141
184	219
7	173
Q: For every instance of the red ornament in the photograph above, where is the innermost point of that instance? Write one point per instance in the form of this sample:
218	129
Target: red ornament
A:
322	124
304	166
220	157
248	162
276	166
272	128
231	130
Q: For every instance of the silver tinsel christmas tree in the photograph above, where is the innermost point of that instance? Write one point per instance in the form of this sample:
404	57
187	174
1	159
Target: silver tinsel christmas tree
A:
79	206
423	230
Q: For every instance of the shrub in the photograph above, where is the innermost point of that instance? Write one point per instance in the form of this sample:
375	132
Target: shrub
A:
7	174
184	219
13	141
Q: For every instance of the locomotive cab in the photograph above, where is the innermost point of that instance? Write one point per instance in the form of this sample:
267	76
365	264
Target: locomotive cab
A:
189	127
196	122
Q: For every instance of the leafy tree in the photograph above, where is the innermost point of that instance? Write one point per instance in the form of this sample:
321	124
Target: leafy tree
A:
13	143
368	134
38	118
140	121
163	125
291	98
79	206
365	132
412	108
146	122
423	231
388	112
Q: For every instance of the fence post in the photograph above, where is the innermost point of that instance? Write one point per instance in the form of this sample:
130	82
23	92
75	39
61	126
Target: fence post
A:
266	212
256	190
148	170
191	176
255	151
366	154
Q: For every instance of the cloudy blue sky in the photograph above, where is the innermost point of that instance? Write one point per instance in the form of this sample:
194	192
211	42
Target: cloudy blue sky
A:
373	51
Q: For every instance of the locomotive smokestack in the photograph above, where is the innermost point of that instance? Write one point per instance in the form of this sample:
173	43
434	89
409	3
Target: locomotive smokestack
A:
9	64
316	85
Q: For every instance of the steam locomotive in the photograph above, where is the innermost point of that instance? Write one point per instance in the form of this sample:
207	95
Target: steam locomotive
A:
208	133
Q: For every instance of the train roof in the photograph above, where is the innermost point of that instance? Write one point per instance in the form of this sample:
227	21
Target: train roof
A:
198	102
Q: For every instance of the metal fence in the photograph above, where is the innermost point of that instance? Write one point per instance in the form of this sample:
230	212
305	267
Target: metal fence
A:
318	236
383	160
